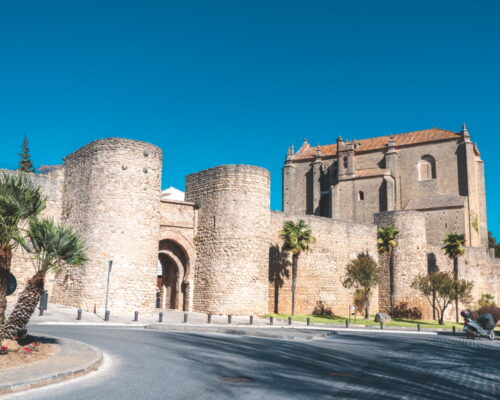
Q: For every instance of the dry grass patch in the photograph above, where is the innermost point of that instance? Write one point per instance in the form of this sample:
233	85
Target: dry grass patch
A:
17	355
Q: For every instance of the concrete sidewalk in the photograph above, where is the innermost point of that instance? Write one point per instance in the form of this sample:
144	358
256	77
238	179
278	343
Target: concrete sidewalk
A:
174	320
72	359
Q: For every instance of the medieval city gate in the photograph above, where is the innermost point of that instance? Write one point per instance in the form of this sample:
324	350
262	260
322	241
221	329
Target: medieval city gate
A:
173	284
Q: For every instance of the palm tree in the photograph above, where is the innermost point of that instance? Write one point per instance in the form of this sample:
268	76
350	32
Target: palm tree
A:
50	247
297	237
453	248
20	201
386	243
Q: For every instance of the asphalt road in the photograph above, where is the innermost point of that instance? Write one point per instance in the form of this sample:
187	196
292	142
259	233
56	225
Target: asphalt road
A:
147	364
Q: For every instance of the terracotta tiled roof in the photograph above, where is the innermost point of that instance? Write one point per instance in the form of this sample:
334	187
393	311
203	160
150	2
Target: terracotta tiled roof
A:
402	139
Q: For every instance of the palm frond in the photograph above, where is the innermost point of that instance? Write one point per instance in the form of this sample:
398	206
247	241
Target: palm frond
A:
386	239
297	236
453	245
53	246
20	200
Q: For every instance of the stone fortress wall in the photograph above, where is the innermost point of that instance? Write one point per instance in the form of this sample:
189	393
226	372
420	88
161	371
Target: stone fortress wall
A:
476	265
410	259
322	269
219	251
111	197
51	185
178	228
232	242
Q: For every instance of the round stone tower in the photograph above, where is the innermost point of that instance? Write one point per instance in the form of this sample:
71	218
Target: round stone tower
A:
410	259
232	241
111	197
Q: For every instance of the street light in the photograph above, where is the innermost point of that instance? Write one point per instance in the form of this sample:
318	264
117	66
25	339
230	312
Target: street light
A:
110	263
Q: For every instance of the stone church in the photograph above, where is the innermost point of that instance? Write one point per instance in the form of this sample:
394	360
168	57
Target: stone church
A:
219	249
435	171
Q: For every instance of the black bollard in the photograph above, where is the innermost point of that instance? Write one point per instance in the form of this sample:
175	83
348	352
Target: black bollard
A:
136	316
418	326
160	317
271	320
289	320
209	318
79	315
251	319
44	299
106	316
454	329
347	323
381	325
229	319
41	311
185	317
308	321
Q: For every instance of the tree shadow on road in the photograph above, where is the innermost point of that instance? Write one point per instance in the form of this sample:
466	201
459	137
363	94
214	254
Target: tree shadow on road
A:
348	366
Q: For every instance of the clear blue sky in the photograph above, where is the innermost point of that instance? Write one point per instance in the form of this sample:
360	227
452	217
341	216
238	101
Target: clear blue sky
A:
216	82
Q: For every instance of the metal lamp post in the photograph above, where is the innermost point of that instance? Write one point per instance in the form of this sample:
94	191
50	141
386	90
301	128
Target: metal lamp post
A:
110	264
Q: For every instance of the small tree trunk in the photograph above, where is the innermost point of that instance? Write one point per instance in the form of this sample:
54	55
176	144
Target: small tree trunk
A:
433	304
276	297
25	306
391	280
295	259
5	261
440	315
367	304
455	276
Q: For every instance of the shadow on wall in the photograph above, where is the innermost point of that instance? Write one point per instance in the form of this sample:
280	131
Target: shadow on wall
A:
431	263
278	271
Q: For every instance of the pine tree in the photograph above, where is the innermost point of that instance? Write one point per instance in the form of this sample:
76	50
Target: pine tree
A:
25	164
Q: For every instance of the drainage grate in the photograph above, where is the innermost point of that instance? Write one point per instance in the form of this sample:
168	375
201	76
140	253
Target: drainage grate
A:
339	373
237	379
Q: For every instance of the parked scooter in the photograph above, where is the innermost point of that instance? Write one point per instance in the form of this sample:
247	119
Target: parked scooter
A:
482	327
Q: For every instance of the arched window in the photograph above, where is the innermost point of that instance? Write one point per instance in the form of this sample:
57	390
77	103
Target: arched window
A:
361	195
426	168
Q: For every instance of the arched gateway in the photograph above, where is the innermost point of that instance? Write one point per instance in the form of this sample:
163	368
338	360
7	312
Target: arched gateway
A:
173	275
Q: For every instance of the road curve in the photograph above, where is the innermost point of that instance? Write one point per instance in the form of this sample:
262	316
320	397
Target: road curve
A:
148	364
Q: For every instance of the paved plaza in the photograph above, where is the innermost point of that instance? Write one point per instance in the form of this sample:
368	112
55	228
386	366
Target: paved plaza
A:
150	364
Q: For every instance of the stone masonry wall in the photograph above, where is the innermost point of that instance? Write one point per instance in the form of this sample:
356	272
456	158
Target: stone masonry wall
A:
232	239
111	197
477	266
440	222
322	269
178	223
410	260
352	208
177	214
51	185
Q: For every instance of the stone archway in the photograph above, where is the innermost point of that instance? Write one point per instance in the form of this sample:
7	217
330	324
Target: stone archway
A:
174	286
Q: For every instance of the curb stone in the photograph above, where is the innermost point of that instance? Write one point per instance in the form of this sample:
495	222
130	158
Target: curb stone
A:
267	332
73	359
285	332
